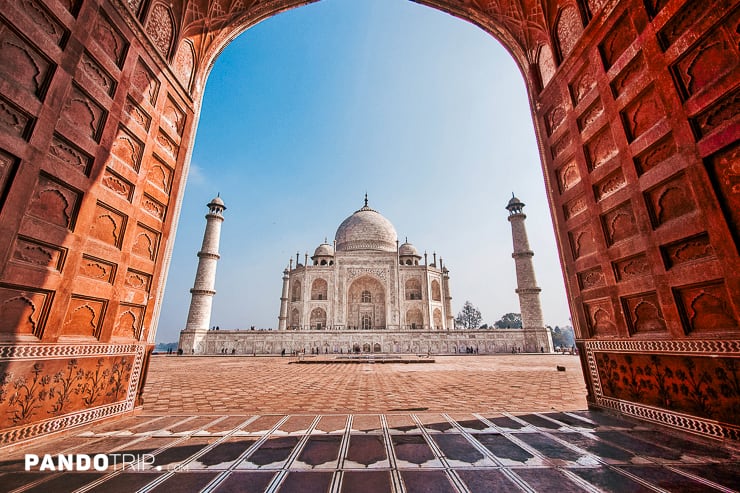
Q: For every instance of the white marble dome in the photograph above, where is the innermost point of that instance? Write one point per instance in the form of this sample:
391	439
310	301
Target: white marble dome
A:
366	229
407	249
324	250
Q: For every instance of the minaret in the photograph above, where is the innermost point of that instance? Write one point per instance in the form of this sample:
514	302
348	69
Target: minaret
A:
283	318
199	316
529	293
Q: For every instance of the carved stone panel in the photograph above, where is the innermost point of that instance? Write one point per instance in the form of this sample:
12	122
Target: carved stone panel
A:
690	249
724	170
23	310
555	117
582	84
619	224
592	278
14	121
574	207
569	29
159	174
582	241
168	145
64	151
91	70
44	20
8	166
546	64
173	117
108	225
561	145
145	84
23	64
117	184
160	28
591	114
680	23
54	202
98	269
568	176
628	75
631	267
655	154
643	313
84	113
138	115
129	321
84	316
615	43
706	308
600	149
128	149
642	113
153	207
611	184
716	55
110	40
670	199
138	280
600	318
146	242
184	63
39	254
719	114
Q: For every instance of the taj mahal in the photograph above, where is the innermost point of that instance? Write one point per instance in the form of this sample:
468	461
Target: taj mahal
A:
364	293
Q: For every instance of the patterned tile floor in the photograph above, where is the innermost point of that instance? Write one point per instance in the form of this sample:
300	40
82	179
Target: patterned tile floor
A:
452	450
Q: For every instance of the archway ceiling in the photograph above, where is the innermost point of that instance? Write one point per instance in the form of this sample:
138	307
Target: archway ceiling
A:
520	25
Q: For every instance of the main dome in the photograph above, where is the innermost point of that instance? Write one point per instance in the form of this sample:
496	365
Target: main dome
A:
366	229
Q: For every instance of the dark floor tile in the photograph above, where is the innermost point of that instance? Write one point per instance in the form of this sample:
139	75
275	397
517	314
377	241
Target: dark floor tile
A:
727	474
226	452
306	482
245	482
503	448
13	480
597	447
605	419
366	482
126	482
412	448
547	480
441	426
711	451
68	481
473	424
630	441
539	421
506	422
273	450
186	481
366	449
485	480
427	482
607	479
549	447
178	453
456	447
321	449
667	479
570	420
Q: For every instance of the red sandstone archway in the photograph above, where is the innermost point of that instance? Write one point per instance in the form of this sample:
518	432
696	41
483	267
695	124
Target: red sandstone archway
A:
635	106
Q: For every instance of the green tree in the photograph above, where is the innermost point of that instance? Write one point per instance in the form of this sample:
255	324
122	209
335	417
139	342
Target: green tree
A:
469	317
563	336
510	321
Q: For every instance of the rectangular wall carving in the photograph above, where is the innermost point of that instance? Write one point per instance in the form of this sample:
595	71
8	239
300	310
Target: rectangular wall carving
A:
690	249
70	155
8	167
619	224
643	314
631	267
706	308
129	321
98	269
110	40
84	316
84	114
14	121
23	310
23	63
108	225
671	199
54	202
39	254
724	170
654	155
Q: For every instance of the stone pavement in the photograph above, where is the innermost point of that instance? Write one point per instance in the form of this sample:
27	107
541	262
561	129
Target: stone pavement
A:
245	430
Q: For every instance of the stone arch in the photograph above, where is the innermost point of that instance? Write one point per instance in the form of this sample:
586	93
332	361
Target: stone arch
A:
160	27
318	318
295	319
649	126
359	311
568	28
437	318
319	289
436	291
412	288
296	291
414	318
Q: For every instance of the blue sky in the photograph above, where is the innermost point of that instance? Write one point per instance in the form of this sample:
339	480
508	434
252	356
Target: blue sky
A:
306	111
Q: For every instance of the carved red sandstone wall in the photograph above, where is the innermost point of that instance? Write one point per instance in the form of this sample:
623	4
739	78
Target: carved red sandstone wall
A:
636	110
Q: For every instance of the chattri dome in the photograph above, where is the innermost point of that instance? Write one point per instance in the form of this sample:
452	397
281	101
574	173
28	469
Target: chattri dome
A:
324	250
366	229
407	249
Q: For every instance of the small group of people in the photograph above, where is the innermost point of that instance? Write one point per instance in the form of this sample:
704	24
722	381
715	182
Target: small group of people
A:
471	350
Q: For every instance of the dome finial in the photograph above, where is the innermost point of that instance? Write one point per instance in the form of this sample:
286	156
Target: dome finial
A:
365	199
